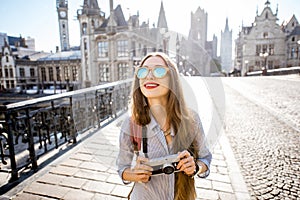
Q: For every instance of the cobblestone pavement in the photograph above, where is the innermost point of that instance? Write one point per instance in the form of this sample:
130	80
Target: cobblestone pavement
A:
262	125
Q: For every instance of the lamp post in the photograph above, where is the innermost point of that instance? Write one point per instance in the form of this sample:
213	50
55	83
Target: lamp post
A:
246	66
298	54
265	67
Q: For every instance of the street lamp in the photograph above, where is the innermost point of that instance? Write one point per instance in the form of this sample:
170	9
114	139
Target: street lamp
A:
246	66
265	68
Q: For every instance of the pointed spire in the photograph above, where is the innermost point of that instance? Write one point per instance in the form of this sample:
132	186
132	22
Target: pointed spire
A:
162	21
90	7
267	3
111	25
226	26
257	10
276	10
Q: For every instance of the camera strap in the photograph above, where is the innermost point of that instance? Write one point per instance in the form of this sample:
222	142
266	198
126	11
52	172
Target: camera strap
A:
138	133
144	135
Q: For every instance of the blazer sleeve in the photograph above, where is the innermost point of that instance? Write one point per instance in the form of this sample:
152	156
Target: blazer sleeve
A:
200	145
126	152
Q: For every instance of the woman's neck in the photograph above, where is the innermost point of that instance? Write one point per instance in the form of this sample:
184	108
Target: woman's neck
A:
159	112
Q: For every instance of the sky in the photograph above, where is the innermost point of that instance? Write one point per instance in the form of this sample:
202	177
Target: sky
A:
38	19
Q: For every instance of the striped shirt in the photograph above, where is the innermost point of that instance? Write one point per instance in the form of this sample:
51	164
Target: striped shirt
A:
160	186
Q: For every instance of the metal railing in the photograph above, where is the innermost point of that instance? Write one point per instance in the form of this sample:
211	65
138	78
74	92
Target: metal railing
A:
30	129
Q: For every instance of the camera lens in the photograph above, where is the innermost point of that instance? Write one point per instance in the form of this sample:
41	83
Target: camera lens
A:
168	169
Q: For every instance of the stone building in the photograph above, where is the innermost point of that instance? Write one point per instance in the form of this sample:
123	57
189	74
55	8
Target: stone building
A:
111	46
265	44
8	68
292	31
226	49
60	71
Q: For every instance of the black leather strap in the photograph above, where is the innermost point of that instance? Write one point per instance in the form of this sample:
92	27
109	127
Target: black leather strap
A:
144	135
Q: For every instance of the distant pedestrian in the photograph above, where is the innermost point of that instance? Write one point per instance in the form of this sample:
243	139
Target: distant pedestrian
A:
161	126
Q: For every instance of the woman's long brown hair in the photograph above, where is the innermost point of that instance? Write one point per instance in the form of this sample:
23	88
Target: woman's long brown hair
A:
179	117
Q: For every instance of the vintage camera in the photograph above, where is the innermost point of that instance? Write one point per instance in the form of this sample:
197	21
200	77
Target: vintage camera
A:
166	165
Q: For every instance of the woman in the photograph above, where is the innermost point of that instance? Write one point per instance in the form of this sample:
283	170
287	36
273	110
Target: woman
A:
169	128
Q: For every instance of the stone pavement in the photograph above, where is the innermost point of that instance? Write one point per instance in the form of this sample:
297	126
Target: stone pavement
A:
88	171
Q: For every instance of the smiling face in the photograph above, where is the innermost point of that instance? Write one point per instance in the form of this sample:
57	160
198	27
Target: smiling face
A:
155	88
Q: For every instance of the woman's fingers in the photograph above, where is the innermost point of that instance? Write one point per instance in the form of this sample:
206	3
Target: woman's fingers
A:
186	163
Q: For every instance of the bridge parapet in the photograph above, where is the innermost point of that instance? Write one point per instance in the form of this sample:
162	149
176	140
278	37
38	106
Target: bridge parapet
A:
31	129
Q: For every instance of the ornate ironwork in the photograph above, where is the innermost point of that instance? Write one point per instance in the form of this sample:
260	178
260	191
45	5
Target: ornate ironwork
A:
30	129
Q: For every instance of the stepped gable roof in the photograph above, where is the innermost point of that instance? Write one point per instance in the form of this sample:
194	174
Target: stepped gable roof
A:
119	18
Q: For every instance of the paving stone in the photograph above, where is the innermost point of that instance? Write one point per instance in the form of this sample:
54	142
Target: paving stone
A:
103	167
71	163
226	196
203	183
207	194
75	194
121	191
73	182
99	187
47	190
64	170
91	175
220	186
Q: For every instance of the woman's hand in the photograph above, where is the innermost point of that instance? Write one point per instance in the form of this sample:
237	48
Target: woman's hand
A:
187	163
139	173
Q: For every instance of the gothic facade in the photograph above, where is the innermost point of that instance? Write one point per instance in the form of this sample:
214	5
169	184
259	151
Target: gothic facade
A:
112	46
266	44
197	55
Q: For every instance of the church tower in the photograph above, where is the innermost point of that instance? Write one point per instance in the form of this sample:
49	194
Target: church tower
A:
90	19
198	31
226	48
62	11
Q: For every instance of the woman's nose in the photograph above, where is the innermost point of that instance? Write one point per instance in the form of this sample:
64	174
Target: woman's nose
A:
150	75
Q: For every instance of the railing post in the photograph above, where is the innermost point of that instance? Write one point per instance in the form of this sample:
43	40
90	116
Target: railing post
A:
11	148
74	133
31	142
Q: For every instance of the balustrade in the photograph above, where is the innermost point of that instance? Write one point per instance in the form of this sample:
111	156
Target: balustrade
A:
30	129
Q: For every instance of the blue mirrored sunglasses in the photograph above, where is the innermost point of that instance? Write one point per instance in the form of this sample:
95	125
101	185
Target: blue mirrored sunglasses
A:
157	71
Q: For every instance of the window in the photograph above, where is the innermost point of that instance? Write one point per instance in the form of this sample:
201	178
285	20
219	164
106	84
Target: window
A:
11	72
6	72
66	72
32	72
58	78
264	48
258	50
122	48
123	70
74	73
84	27
43	73
292	52
22	72
265	35
51	77
104	73
103	49
1	75
12	84
271	49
